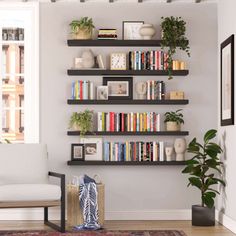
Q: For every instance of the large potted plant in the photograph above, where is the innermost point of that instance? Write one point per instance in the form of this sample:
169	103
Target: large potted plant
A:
82	29
205	172
81	121
173	120
173	37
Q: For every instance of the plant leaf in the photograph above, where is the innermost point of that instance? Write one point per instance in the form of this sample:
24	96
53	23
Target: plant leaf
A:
210	134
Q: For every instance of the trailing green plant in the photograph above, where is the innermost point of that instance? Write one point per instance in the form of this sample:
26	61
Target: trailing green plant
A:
173	37
174	116
83	120
84	23
203	167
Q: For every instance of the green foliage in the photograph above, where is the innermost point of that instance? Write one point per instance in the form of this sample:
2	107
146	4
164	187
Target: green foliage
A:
174	116
83	120
84	23
6	141
173	37
203	165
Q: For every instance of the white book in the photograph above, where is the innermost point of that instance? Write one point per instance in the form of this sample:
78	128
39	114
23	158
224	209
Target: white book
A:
91	91
99	116
132	122
107	122
161	151
117	122
148	90
153	91
154	151
158	122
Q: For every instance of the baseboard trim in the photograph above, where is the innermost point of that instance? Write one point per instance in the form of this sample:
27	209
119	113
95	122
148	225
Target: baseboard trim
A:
225	220
37	214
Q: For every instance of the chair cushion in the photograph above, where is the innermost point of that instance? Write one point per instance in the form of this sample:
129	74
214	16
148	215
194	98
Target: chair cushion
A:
23	164
29	192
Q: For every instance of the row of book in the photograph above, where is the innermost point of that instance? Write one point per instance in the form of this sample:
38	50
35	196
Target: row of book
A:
107	34
131	122
149	60
155	90
82	90
133	151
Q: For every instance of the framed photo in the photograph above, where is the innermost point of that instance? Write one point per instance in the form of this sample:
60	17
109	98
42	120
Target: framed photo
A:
131	29
102	93
227	82
119	87
77	152
93	149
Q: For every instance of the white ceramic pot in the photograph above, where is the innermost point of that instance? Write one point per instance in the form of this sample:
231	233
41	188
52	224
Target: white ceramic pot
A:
147	31
88	59
169	152
172	126
180	148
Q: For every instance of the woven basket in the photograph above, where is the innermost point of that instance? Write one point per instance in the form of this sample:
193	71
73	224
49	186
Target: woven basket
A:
74	211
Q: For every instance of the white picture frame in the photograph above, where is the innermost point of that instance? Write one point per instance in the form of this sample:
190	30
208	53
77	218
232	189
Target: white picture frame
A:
102	93
92	149
131	30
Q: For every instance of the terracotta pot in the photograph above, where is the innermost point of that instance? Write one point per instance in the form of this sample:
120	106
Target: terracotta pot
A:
172	126
76	127
82	34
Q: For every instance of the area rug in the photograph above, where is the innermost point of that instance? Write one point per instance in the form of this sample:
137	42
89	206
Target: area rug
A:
95	233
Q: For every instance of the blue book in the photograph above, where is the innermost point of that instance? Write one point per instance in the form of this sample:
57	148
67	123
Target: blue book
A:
73	90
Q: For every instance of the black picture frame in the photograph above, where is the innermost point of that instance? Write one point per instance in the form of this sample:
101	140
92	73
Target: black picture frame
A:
227	82
73	152
129	96
123	27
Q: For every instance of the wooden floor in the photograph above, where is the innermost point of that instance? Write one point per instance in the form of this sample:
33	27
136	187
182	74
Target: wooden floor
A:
186	226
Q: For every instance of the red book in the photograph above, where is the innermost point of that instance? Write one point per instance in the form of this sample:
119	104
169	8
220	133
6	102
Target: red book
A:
134	151
134	122
111	123
81	89
122	122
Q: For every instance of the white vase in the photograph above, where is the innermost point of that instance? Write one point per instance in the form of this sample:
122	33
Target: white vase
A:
169	152
147	31
88	59
180	148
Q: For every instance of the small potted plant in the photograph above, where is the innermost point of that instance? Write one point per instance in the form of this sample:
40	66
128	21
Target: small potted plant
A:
82	29
81	121
202	169
173	37
173	120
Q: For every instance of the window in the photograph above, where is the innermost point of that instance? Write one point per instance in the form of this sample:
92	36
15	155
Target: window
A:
19	87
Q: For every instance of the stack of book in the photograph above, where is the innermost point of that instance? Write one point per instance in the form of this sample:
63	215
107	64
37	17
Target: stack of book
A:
150	60
107	34
131	122
82	90
155	90
133	151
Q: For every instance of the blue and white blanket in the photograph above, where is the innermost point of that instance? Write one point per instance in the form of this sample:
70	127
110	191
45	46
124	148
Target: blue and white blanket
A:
88	201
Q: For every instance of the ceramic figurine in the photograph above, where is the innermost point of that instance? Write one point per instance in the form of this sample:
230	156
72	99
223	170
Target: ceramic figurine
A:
169	152
180	148
88	59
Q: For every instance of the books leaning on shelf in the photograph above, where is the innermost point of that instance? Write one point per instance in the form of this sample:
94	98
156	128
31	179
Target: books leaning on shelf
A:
82	90
150	60
155	90
107	34
133	151
130	122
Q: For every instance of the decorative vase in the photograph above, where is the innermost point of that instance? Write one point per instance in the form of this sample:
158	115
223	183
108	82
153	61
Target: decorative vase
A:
169	152
147	31
141	89
83	34
180	148
172	126
76	127
203	216
88	59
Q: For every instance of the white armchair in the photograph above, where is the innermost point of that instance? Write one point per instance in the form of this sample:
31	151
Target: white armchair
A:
24	180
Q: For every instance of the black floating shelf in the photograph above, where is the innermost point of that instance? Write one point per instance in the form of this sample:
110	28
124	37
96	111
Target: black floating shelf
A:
113	43
126	163
126	133
127	102
95	72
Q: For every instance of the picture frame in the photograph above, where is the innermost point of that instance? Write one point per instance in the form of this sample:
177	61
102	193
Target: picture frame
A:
92	148
102	93
130	30
227	82
77	152
119	88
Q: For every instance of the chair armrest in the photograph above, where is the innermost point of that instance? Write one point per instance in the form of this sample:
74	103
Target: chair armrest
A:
63	182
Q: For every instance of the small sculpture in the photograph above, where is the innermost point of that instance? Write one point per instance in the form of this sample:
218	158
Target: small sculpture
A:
88	59
180	148
169	152
141	89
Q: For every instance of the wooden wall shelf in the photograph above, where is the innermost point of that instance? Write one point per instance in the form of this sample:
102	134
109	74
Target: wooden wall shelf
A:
126	163
126	133
127	102
94	72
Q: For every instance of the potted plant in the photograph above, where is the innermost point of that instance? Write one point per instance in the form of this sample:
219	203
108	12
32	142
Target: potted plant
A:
173	120
82	29
81	121
173	37
202	169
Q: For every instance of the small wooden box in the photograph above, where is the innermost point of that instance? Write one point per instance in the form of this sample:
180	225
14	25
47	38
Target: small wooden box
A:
176	95
74	212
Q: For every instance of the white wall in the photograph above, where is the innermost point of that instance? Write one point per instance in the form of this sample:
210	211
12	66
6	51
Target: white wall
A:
227	204
131	192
